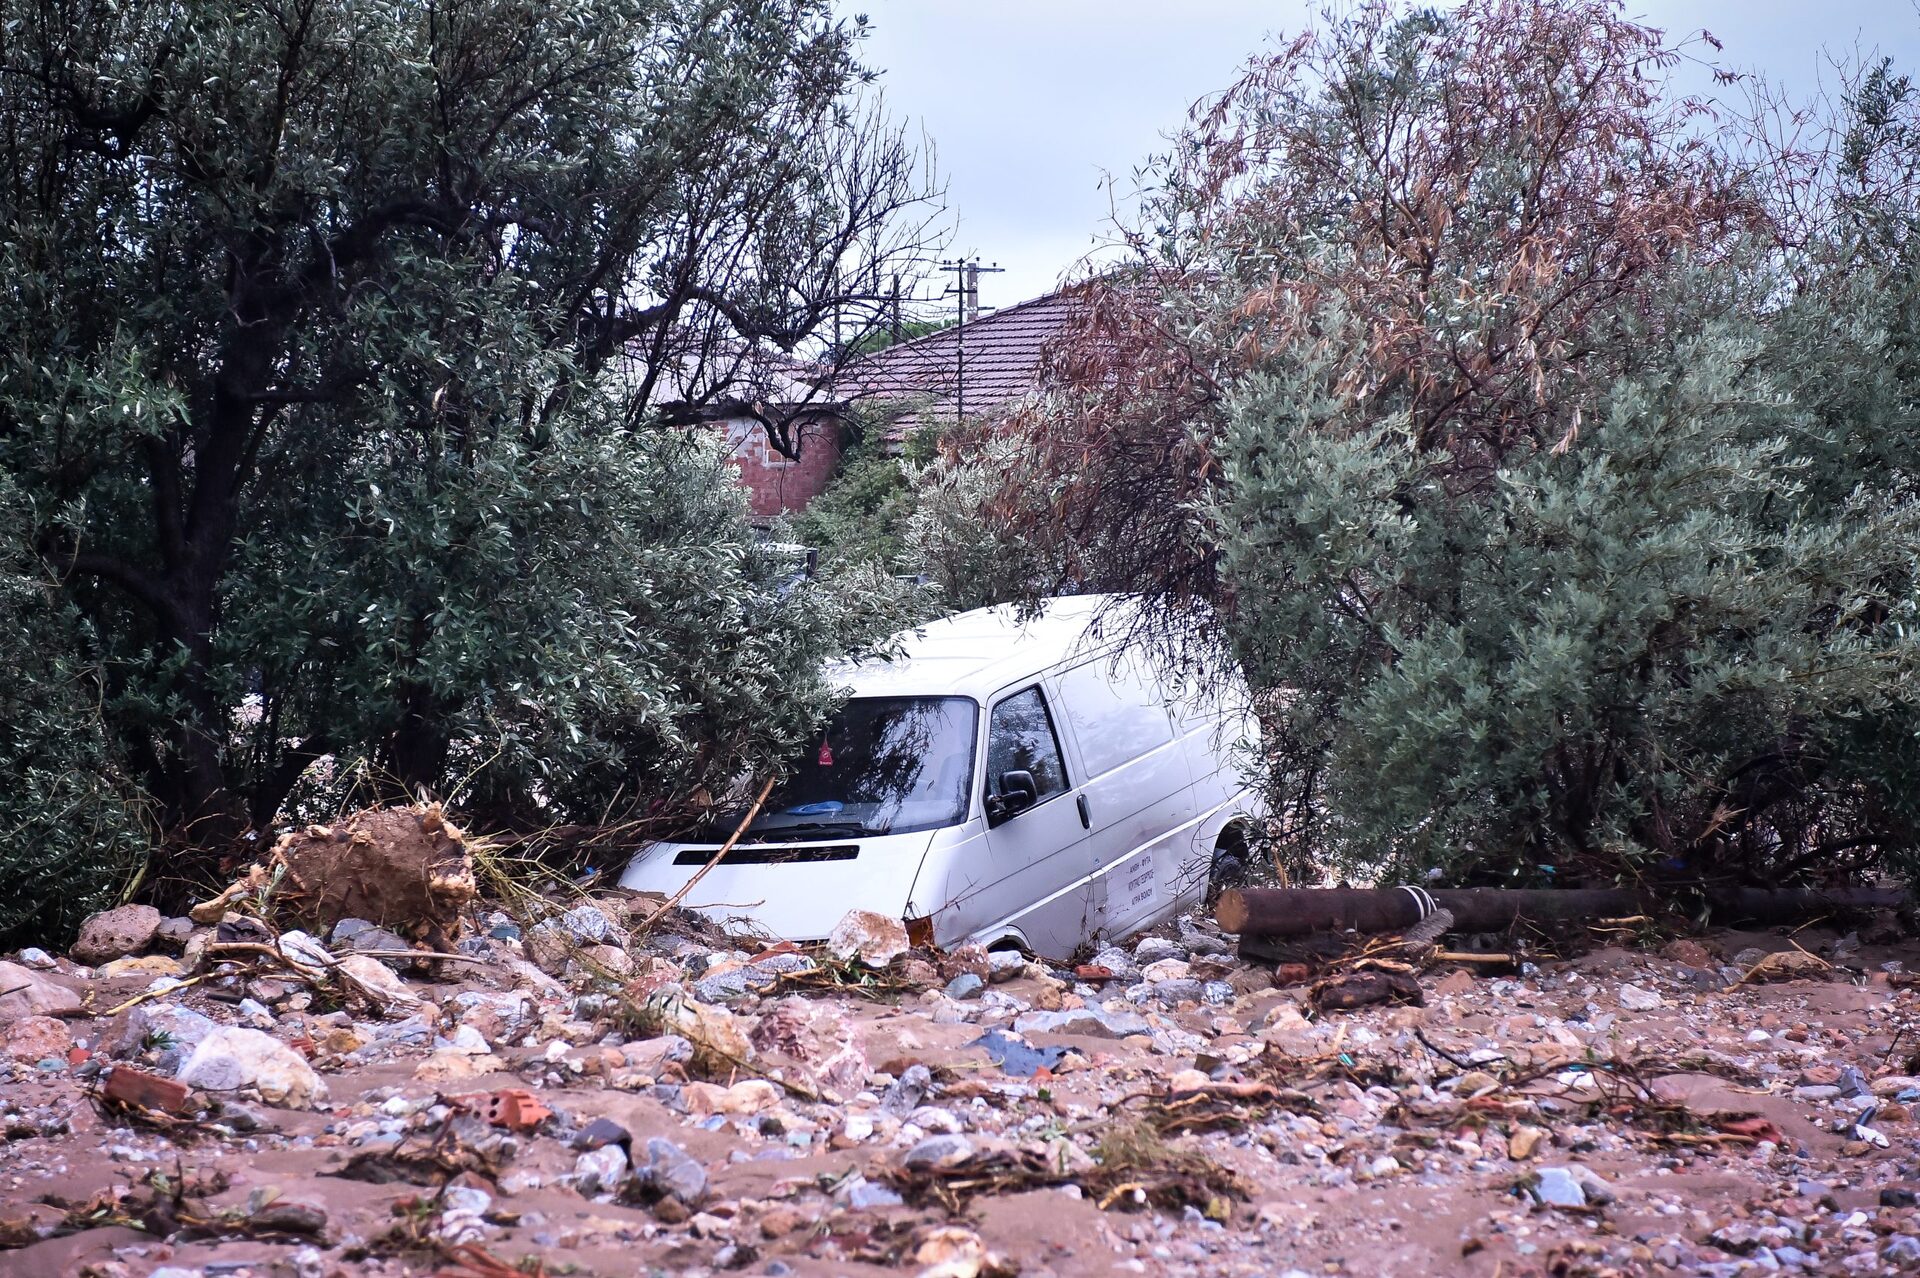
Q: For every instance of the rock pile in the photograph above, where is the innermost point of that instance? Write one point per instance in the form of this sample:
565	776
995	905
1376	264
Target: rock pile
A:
581	1090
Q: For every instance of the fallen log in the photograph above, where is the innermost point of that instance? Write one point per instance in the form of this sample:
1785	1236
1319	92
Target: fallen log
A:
1277	912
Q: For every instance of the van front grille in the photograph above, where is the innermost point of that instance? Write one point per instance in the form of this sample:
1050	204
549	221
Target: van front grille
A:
759	854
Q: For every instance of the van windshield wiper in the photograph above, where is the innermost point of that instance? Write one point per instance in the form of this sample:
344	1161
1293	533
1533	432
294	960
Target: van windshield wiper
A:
813	827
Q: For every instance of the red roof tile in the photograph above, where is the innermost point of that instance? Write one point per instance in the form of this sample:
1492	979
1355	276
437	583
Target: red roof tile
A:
982	366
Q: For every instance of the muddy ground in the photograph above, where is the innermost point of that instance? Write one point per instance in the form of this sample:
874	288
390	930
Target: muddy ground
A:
1626	1111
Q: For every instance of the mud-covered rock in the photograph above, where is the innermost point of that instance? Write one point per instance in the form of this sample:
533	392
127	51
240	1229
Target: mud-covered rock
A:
114	933
407	869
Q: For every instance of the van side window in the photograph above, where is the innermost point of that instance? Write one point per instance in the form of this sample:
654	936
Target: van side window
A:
1020	738
1117	710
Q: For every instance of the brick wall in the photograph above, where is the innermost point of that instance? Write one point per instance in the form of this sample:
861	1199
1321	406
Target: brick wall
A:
778	485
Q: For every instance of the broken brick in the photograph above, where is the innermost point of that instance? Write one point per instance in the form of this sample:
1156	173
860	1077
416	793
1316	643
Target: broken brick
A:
136	1087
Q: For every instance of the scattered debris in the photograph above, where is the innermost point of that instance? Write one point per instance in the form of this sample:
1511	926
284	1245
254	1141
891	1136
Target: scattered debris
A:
1787	965
1283	912
1015	1056
672	1097
126	1085
1363	989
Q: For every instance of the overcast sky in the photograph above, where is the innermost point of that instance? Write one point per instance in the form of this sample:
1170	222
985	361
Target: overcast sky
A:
1031	103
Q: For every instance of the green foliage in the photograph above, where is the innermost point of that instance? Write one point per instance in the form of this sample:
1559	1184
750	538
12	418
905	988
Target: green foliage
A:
862	516
954	535
71	831
335	343
881	337
1685	643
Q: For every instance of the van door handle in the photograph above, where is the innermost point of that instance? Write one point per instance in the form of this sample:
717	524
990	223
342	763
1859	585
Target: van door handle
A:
1086	815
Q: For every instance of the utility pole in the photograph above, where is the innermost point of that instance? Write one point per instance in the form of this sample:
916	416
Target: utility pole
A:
967	286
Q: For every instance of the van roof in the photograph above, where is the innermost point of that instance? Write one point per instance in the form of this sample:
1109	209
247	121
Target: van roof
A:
975	654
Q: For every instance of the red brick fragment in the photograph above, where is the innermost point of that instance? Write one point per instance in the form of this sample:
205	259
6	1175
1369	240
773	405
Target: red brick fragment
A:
511	1107
148	1091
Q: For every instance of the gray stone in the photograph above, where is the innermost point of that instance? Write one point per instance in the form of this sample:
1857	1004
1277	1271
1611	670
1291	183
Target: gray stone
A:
170	1030
359	936
1117	961
1183	990
946	1150
669	1169
601	1170
1635	999
735	983
1903	1249
784	964
862	1194
904	1095
935	1120
465	1038
1557	1187
38	959
1094	1022
1004	965
551	941
1152	949
1593	1183
466	1198
287	1217
1737	1236
415	1031
964	986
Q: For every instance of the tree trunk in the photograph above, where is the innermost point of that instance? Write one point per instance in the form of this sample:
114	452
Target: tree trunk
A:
1281	912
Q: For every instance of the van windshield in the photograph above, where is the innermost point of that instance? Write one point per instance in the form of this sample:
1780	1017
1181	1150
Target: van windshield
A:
883	765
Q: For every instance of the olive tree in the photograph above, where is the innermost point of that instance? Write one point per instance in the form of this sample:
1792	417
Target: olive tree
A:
349	356
1555	488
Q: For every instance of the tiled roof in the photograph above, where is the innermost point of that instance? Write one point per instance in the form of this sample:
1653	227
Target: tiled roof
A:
979	367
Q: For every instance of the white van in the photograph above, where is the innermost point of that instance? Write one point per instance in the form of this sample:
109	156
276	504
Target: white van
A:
997	780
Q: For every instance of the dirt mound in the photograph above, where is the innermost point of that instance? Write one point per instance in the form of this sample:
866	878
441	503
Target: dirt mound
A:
406	869
409	870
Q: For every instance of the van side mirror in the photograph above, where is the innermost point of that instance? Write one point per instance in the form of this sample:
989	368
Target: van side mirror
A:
1017	794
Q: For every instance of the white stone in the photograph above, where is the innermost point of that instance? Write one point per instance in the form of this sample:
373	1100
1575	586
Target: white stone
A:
874	939
1635	999
376	982
235	1059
